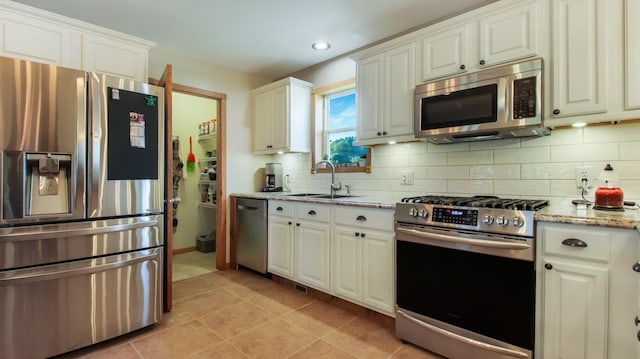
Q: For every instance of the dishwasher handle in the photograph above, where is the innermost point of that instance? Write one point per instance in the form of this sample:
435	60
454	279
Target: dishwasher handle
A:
242	207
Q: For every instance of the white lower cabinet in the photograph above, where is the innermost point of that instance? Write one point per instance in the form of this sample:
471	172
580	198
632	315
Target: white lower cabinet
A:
298	242
587	292
363	257
346	251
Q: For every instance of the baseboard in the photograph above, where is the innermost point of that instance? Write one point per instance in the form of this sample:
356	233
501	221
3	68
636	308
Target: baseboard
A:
183	250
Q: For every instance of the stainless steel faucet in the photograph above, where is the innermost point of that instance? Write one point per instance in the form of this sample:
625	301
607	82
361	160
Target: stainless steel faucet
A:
334	187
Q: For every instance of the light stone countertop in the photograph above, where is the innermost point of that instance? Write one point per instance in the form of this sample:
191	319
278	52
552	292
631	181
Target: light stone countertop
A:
560	211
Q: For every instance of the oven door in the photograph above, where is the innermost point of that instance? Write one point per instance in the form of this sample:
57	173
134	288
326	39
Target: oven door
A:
464	303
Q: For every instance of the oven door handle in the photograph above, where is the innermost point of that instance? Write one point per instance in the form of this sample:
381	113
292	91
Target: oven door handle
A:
461	240
454	336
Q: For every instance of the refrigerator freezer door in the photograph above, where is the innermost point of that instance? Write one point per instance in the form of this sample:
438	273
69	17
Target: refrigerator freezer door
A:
126	147
49	310
42	115
53	243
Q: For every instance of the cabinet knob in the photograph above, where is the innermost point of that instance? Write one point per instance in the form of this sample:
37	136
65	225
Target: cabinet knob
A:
379	133
357	234
574	242
297	224
290	223
556	111
638	335
311	213
462	67
636	321
482	62
361	235
636	266
361	218
384	133
279	209
548	266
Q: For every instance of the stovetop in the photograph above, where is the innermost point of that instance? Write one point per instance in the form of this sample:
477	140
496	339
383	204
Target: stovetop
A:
486	214
480	201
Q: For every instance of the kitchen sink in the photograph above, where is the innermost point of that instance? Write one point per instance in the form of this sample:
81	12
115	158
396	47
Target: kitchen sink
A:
317	195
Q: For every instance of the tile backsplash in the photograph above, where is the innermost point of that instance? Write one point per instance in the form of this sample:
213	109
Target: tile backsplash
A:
540	167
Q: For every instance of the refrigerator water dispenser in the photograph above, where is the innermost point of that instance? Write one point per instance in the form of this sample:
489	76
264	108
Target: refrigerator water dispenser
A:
47	184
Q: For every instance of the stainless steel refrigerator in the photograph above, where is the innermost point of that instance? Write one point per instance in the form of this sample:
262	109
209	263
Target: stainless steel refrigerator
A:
81	218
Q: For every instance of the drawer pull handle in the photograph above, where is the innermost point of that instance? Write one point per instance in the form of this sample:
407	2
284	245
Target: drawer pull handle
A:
279	209
312	213
574	242
361	218
636	266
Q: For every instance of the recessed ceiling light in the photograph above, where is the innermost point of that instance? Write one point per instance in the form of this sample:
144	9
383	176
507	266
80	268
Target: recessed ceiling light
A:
321	46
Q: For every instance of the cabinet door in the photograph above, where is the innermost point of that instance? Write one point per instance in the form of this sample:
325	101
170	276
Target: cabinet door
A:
399	85
312	254
378	270
280	119
508	35
445	53
114	57
37	40
346	265
632	43
280	246
370	72
579	57
262	121
575	310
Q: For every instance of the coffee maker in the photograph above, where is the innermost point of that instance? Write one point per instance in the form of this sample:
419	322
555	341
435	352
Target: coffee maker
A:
273	178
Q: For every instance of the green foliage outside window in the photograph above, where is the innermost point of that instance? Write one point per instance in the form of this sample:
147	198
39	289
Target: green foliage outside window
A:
343	151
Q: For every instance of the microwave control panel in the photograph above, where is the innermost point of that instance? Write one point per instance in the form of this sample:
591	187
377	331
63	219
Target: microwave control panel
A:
524	98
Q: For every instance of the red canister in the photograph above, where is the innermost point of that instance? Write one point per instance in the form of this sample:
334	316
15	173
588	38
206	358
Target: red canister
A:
609	196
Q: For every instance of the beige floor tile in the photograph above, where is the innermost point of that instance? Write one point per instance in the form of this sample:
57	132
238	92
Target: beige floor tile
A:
409	351
253	286
319	317
275	339
197	285
281	301
125	351
176	342
364	339
209	302
236	319
219	351
321	350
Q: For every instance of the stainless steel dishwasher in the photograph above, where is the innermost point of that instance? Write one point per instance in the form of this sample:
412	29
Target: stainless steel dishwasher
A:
251	233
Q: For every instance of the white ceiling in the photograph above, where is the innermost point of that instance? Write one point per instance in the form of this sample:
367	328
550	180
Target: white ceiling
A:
269	38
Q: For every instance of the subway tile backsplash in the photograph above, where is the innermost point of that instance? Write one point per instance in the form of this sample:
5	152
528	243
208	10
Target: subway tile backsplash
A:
529	167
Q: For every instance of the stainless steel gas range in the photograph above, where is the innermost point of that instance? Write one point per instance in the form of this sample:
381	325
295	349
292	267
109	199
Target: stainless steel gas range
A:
465	277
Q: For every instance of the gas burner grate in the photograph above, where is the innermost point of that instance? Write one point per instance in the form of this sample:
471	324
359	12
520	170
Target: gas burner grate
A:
481	201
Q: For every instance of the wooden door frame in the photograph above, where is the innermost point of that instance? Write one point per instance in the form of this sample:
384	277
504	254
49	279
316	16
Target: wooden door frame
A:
221	186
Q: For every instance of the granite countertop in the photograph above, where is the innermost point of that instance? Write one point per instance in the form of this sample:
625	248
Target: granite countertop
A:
559	211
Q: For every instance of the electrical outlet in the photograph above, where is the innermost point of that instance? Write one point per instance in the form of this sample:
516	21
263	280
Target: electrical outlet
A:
406	177
584	173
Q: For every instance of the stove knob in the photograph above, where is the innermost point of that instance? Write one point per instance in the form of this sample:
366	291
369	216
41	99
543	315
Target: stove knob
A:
517	221
502	220
488	219
413	212
423	213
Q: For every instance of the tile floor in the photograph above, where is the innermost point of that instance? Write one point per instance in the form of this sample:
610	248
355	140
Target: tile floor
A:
238	314
191	264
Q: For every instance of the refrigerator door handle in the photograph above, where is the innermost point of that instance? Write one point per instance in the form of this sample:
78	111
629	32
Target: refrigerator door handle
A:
81	230
88	267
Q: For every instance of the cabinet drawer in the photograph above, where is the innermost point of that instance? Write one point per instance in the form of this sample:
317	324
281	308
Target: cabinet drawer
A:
557	241
312	212
365	217
281	208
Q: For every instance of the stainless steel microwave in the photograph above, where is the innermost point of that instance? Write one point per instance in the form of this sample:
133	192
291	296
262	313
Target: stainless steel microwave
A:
500	102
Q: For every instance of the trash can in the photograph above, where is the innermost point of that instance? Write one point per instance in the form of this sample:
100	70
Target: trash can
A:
206	243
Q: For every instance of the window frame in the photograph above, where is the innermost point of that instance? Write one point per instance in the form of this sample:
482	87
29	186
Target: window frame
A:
319	124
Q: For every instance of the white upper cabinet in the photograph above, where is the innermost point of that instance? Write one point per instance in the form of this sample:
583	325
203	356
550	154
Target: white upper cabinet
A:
282	117
632	60
385	83
495	34
36	35
580	57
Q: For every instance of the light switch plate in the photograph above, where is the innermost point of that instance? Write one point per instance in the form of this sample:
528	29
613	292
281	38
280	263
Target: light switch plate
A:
406	177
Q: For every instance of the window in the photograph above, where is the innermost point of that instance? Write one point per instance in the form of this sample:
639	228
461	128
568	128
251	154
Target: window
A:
335	118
